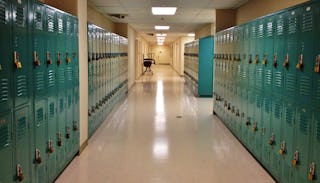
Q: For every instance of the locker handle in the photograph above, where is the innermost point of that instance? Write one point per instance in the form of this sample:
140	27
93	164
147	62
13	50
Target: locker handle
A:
265	59
299	65
74	55
49	61
16	58
316	67
59	139
263	131
312	171
38	156
250	59
19	173
68	59
36	60
255	128
275	61
286	61
282	148
295	160
59	58
50	147
75	126
271	141
68	132
256	60
248	123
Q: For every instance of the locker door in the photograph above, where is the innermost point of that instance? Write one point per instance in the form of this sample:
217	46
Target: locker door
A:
69	125
61	135
302	141
76	121
276	120
22	137
315	141
258	124
39	152
252	52
6	97
259	54
6	147
52	138
279	54
316	76
266	129
20	53
288	123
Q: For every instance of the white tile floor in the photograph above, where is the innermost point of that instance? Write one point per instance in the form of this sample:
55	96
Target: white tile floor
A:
145	141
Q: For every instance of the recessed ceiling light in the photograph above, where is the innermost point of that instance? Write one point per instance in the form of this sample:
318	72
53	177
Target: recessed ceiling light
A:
160	44
161	27
164	10
161	35
191	34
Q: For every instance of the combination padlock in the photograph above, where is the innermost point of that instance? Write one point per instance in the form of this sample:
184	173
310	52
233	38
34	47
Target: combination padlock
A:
286	61
38	156
20	176
254	128
295	159
68	132
68	59
36	60
299	65
271	140
250	59
317	65
275	61
311	171
59	139
59	58
282	148
50	147
256	60
17	62
49	61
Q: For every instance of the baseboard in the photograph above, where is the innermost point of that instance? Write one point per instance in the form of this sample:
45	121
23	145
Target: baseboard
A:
83	146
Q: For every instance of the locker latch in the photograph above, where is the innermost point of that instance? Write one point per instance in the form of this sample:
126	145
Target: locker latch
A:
59	139
59	58
248	122
299	65
256	60
89	112
36	60
275	61
286	61
17	60
233	109
250	59
254	128
229	106
74	55
68	132
312	171
264	60
19	173
282	148
38	156
75	126
225	104
263	131
50	147
49	61
242	115
271	141
295	158
317	65
238	113
68	59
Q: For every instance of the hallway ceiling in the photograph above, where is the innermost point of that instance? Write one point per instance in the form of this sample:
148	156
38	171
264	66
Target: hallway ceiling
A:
190	16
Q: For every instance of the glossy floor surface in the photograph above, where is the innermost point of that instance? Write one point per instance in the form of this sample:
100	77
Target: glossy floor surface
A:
162	134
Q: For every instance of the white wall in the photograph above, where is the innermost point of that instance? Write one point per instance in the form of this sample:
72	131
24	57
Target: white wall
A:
162	54
131	56
178	54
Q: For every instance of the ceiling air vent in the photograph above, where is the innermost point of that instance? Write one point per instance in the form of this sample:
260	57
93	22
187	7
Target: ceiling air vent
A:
120	16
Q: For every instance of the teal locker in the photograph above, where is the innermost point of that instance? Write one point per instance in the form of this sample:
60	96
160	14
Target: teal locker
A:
291	54
40	144
69	125
61	134
288	122
20	54
302	141
52	144
314	157
276	119
60	51
6	147
6	97
22	138
260	56
68	59
279	54
266	132
76	120
316	58
258	124
253	57
306	56
251	121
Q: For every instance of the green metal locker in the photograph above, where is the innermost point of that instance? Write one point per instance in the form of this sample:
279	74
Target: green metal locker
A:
22	138
52	143
267	134
277	54
20	54
6	97
314	156
6	147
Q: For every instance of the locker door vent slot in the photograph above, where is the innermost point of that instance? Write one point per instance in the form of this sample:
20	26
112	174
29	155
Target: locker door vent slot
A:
20	16
4	134
21	128
3	12
4	93
39	121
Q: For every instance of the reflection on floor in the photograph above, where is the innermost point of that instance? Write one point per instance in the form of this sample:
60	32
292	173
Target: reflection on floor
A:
163	134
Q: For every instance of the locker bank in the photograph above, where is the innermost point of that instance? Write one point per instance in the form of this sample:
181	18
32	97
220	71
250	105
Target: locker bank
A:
232	96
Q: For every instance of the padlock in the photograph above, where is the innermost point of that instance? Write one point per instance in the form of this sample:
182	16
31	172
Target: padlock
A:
311	171
59	139
256	60
68	59
68	132
264	61
59	58
254	128
75	126
38	156
20	176
36	60
49	61
275	61
271	141
50	147
295	158
248	122
317	65
250	59
286	61
17	60
299	65
282	148
238	113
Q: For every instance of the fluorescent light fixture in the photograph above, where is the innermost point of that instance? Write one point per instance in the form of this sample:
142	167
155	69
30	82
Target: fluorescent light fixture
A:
161	27
160	44
191	34
161	38
164	10
161	35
